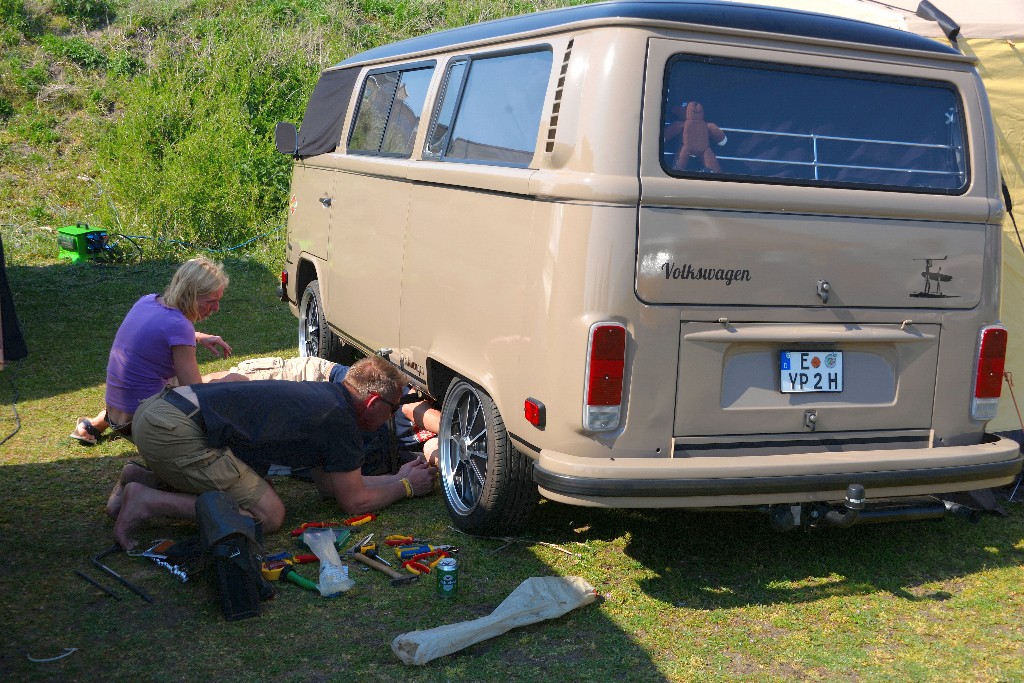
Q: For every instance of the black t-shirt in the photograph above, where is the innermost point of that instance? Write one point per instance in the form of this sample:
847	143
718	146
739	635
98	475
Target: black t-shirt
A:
298	424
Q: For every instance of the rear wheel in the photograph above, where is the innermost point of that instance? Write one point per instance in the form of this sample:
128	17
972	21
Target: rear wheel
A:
315	337
487	483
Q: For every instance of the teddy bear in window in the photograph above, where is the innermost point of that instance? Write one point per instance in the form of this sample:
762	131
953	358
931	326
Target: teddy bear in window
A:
697	136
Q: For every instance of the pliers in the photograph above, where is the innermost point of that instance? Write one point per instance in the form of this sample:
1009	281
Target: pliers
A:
400	539
416	563
360	519
407	552
291	557
314	525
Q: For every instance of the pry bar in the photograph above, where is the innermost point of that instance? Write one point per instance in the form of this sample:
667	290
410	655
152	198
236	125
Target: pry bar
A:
128	584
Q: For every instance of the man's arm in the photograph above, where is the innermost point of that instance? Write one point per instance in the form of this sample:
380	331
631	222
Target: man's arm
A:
356	494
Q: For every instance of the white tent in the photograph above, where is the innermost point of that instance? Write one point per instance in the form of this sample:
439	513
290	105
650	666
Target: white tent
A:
989	32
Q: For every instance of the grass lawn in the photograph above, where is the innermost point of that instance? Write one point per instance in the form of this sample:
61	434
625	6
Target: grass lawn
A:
685	596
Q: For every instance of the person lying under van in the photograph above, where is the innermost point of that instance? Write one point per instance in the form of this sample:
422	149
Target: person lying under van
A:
416	424
225	436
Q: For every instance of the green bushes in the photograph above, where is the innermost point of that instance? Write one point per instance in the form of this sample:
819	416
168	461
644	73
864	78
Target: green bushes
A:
78	50
89	12
170	105
192	158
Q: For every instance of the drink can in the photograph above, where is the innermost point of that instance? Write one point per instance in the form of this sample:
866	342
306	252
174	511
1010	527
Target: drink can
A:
447	577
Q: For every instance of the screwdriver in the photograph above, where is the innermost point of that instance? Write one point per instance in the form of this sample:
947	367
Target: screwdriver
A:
370	550
406	552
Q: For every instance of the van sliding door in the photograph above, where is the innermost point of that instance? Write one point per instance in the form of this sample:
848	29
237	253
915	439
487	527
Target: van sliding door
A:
372	195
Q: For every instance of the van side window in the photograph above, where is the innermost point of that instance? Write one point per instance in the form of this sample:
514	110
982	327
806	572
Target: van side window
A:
739	120
389	112
490	109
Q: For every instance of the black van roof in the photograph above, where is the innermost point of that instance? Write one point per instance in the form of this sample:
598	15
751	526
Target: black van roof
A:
700	12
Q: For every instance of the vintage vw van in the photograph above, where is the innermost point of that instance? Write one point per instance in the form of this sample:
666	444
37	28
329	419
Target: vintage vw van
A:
666	254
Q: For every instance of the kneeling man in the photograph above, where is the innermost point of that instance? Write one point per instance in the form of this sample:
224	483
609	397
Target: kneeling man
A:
225	436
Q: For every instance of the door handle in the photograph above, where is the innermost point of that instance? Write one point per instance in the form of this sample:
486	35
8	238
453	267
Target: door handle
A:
823	289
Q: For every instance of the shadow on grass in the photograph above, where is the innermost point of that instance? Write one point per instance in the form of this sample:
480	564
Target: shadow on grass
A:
52	524
710	560
70	314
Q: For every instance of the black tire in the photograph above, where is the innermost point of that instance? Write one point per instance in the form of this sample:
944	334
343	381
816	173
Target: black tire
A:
315	337
488	485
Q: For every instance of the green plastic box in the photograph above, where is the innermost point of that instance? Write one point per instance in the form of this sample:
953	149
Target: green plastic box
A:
81	242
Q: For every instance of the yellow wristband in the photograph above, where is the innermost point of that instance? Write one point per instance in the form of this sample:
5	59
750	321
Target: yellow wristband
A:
408	488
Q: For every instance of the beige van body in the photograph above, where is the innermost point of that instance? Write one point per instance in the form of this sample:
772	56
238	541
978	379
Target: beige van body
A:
504	278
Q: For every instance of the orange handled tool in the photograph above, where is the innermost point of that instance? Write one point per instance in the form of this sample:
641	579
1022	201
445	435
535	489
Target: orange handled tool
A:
314	525
360	519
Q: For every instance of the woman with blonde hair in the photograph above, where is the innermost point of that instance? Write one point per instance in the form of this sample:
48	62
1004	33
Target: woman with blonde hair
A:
156	346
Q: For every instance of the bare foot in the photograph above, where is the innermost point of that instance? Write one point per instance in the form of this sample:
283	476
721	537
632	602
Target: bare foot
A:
133	512
129	473
140	502
88	430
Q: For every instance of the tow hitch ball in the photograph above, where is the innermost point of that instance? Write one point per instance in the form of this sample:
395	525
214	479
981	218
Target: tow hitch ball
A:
786	517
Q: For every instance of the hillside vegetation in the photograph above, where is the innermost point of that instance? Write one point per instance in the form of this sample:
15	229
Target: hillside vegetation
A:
155	118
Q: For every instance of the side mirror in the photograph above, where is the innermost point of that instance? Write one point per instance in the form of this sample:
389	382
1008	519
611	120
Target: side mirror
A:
286	138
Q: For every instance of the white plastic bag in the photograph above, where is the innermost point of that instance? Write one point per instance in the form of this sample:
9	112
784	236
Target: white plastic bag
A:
536	599
332	574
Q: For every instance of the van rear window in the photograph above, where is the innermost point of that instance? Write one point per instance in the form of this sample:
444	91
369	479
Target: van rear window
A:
751	121
490	109
389	112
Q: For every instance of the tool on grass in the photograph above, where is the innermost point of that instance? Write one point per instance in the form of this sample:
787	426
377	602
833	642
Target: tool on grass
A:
370	550
359	544
416	567
422	564
314	525
113	549
99	585
160	553
289	574
405	552
292	557
341	536
400	539
397	579
274	570
360	519
273	564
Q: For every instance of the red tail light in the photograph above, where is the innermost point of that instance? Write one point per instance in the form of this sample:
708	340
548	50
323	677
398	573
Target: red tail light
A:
988	382
282	291
606	362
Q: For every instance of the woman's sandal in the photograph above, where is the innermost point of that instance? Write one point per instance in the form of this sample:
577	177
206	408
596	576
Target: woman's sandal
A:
89	429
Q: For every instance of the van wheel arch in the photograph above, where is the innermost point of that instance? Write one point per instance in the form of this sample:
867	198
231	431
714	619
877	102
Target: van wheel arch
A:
487	483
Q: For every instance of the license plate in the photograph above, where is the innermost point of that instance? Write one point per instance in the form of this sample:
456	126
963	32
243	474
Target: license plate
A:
810	371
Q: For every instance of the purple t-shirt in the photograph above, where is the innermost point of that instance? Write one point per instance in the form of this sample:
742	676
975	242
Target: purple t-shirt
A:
141	360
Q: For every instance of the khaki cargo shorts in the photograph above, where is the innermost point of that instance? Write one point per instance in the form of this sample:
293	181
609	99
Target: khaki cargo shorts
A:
174	447
295	369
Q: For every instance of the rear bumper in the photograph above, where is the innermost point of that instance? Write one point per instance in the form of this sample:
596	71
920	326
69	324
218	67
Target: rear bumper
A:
790	478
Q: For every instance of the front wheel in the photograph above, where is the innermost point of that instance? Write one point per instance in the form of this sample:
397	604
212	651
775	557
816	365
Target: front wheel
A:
487	483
